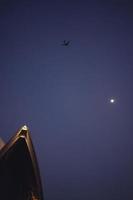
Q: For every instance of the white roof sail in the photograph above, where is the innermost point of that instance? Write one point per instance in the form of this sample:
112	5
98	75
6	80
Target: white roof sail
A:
1	143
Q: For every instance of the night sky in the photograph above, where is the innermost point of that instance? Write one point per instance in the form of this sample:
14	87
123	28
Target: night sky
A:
84	142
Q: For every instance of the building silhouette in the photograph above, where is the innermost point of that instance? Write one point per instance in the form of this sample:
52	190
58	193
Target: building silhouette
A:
19	173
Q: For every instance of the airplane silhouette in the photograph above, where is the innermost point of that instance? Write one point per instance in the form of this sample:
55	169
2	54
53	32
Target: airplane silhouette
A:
66	43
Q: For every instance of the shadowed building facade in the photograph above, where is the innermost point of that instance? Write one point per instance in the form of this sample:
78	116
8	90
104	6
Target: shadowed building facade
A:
19	173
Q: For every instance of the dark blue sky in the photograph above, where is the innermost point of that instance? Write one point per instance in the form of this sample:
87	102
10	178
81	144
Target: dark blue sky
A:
84	144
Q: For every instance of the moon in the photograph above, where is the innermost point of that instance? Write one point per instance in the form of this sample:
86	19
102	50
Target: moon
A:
112	100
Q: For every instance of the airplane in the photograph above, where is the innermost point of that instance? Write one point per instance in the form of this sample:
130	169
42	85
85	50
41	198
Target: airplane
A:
66	42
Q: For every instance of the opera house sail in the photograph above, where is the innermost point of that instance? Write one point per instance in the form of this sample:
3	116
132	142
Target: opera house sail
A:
19	172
